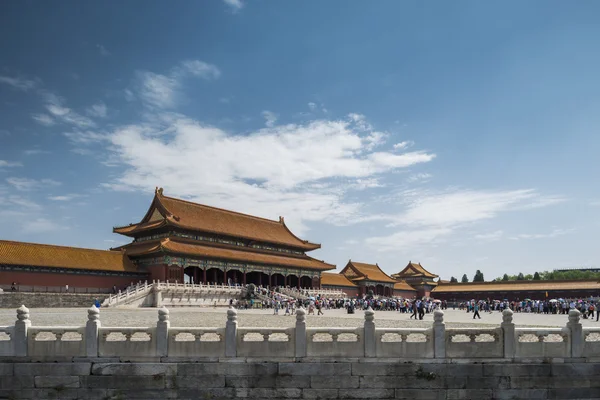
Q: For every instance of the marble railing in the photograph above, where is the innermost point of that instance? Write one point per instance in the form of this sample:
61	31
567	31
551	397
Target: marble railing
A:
136	291
299	341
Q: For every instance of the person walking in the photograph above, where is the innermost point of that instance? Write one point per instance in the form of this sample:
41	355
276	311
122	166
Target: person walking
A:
414	309
319	308
476	311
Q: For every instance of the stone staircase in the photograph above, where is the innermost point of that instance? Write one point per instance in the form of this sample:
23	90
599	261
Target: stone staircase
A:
159	294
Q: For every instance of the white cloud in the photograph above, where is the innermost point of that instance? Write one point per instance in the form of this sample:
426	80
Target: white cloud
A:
81	152
157	90
102	50
235	5
420	177
18	83
43	119
428	217
41	225
162	91
407	239
54	105
23	202
65	197
97	110
26	184
199	69
297	170
270	118
490	237
128	94
7	164
553	234
403	145
312	106
85	137
32	152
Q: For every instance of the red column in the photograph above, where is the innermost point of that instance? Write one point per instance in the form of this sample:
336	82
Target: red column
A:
214	276
195	274
298	282
225	277
244	277
270	284
204	275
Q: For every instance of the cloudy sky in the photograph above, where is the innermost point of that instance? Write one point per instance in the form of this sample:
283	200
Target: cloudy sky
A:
460	135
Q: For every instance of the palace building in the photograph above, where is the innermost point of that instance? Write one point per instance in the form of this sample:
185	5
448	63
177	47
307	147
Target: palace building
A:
35	264
417	277
518	290
175	239
357	279
208	244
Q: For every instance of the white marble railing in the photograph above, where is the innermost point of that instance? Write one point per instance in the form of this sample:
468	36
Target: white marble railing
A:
299	341
134	292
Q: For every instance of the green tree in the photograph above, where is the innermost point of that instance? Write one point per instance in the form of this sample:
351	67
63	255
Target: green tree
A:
505	277
520	277
464	279
453	280
536	277
478	276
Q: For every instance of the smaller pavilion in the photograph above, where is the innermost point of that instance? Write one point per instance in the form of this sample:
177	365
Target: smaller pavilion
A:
369	277
418	277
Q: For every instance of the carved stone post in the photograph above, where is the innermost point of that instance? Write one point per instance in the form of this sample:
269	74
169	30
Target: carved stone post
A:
91	332
231	333
300	332
577	340
370	349
157	298
439	334
162	332
20	333
508	331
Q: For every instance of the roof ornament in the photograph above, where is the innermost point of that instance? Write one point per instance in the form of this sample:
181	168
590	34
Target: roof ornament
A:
158	191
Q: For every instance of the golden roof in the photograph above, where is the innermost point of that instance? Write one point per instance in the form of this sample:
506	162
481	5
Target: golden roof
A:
44	255
180	246
365	271
414	270
333	279
198	217
402	285
511	286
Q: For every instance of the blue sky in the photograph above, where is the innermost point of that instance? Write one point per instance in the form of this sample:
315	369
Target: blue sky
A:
460	135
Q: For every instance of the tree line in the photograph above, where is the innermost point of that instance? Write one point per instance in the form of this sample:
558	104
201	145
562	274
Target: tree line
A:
537	276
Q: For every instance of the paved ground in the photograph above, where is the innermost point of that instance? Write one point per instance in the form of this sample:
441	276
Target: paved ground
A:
203	317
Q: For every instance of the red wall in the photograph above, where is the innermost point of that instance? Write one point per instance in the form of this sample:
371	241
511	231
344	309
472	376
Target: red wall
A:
73	280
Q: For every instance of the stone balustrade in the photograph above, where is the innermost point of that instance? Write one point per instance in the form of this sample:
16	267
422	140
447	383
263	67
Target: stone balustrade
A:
144	294
300	341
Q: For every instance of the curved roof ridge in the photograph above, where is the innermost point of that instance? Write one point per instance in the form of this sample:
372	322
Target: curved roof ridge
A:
282	221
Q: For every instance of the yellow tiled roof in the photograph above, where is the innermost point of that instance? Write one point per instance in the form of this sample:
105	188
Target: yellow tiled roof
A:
333	279
414	269
371	272
44	255
403	286
199	217
512	286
